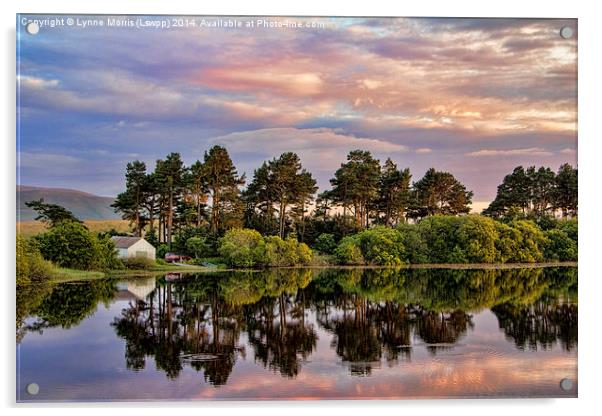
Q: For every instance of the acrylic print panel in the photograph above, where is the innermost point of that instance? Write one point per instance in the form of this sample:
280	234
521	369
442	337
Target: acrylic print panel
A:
295	208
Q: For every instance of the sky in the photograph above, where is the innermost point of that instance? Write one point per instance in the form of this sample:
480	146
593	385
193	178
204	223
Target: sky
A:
475	97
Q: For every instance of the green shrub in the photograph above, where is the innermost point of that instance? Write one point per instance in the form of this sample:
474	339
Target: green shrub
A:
416	250
439	234
507	242
70	244
161	251
476	237
31	266
325	243
559	247
382	245
242	248
106	255
139	263
197	247
349	252
570	228
531	242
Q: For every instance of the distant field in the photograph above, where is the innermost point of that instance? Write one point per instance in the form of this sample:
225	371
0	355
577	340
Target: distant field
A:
29	228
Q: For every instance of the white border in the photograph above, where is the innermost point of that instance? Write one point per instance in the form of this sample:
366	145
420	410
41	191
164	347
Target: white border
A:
590	119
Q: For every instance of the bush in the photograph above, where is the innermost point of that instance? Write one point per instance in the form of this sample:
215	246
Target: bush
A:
570	228
349	252
289	252
139	263
31	266
106	255
70	244
197	247
161	251
416	250
242	247
382	245
247	248
325	243
559	247
439	234
531	242
476	237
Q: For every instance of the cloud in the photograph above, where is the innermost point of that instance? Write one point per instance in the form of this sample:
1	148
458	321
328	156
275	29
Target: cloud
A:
36	82
321	150
424	150
531	151
294	139
253	78
37	160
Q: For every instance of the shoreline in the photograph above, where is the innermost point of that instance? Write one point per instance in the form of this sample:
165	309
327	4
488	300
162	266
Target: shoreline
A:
70	275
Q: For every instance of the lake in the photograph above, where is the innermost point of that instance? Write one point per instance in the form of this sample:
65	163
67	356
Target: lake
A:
350	333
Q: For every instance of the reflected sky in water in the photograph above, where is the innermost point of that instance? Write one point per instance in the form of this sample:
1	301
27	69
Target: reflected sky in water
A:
303	334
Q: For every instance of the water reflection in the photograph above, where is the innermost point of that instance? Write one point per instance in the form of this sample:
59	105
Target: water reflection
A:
374	317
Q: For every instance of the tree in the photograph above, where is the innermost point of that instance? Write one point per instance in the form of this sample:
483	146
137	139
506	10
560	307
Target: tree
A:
259	198
440	193
394	193
71	244
290	185
197	185
542	182
356	184
170	174
536	192
51	214
223	185
565	195
283	186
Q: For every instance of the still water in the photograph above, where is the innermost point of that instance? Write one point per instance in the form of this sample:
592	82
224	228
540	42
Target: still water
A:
301	334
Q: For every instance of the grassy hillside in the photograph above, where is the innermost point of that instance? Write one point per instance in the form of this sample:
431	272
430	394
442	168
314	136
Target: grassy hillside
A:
29	228
83	205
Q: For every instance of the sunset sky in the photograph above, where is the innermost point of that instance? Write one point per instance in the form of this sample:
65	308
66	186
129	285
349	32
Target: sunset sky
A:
475	97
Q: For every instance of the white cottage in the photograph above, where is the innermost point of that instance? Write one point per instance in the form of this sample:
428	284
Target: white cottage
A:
128	247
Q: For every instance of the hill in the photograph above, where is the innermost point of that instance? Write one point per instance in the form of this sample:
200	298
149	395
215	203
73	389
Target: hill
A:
84	206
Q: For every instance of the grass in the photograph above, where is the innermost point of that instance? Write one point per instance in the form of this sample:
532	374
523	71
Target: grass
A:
31	228
61	274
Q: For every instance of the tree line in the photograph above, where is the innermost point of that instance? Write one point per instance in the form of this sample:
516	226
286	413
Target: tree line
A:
278	199
536	192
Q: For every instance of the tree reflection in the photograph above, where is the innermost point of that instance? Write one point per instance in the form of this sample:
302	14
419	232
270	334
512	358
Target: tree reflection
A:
539	325
375	316
183	324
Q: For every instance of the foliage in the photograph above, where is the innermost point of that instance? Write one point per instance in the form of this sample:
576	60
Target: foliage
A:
51	214
349	252
31	266
531	242
69	244
247	248
416	249
439	193
325	243
288	252
476	237
536	191
381	245
559	246
197	247
161	251
242	247
448	239
279	186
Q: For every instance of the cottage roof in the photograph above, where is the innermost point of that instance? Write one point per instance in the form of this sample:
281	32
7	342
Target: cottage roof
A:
125	242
